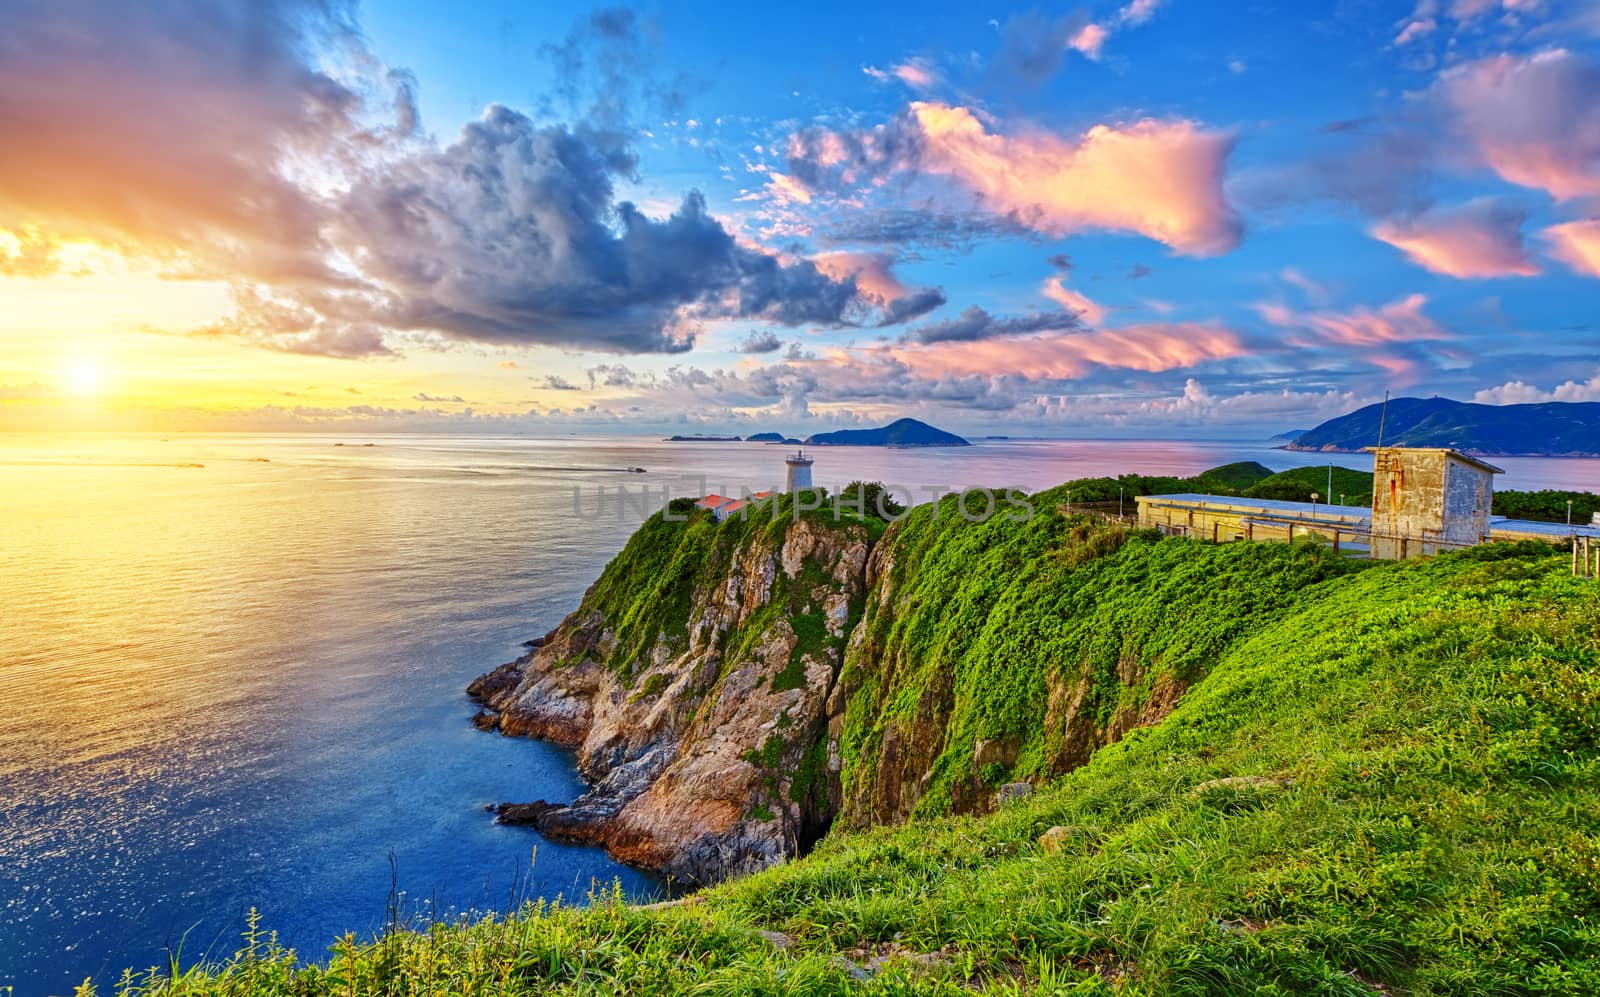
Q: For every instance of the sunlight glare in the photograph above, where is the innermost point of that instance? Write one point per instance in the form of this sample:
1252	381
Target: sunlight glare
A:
86	376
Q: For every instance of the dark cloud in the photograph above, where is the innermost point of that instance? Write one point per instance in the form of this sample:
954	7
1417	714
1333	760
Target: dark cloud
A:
1137	271
607	75
184	133
1379	168
1032	45
975	323
166	129
921	225
1344	125
912	306
555	382
610	375
825	159
764	341
423	396
511	235
1060	261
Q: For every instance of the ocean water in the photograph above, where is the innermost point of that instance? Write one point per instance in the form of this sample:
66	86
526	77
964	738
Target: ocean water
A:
232	668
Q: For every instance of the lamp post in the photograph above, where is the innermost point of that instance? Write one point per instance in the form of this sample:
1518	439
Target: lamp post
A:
1314	505
1119	503
1569	514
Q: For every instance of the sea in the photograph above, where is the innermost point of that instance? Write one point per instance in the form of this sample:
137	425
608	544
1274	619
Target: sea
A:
232	668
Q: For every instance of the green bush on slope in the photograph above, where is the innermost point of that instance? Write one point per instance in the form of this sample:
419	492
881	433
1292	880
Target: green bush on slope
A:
987	622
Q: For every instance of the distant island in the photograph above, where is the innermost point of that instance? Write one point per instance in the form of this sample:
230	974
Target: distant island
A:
1548	429
900	433
1288	437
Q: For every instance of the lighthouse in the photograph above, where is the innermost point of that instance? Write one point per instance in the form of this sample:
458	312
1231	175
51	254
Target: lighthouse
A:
799	472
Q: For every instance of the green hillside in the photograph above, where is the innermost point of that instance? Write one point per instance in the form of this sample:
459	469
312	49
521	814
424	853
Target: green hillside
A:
1386	779
1554	429
1297	485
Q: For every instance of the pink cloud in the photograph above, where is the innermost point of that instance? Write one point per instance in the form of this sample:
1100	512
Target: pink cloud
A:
1091	38
1482	238
1398	322
1162	179
1056	290
871	271
1534	120
1088	40
917	73
786	189
1577	244
1063	355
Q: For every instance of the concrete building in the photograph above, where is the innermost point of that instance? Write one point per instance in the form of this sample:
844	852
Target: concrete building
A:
1222	518
1425	500
799	478
1428	499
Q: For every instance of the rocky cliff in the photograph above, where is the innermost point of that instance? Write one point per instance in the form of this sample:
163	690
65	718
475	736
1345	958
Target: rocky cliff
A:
733	688
691	682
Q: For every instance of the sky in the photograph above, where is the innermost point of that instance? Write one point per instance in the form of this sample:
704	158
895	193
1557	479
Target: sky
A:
1150	218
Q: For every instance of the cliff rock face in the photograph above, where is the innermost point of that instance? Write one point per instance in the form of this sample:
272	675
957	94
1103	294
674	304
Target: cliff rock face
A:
913	724
691	683
731	689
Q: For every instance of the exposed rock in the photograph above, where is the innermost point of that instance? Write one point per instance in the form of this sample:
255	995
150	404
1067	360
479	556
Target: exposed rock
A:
525	813
996	751
703	744
1250	782
1055	839
1014	791
776	939
730	690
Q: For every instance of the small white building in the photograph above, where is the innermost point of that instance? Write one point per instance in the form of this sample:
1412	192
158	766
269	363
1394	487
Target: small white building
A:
799	478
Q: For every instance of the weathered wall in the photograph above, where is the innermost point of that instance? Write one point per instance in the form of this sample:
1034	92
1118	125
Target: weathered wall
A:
1407	496
1468	494
1427	495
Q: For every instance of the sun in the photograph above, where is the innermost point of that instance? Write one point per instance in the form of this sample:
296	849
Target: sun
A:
85	376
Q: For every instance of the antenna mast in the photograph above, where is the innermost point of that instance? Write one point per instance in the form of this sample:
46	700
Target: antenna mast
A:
1383	417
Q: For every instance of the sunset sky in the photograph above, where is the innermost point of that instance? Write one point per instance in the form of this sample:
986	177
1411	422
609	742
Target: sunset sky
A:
1152	218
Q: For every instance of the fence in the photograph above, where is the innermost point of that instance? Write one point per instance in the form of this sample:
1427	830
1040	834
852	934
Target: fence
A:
1346	540
1585	557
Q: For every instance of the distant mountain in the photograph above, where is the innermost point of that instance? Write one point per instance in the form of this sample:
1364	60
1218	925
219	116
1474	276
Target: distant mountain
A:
900	433
1550	429
702	439
769	438
1289	437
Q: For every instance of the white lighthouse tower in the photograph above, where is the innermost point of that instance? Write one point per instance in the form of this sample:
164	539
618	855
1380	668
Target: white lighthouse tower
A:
799	472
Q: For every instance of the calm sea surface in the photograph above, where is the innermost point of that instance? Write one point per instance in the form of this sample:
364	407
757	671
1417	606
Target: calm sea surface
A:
231	668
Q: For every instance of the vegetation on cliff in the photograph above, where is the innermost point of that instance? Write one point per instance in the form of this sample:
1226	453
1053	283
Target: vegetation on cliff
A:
1389	783
1007	650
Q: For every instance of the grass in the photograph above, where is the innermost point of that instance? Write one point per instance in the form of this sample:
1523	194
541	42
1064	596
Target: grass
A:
1382	780
980	627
